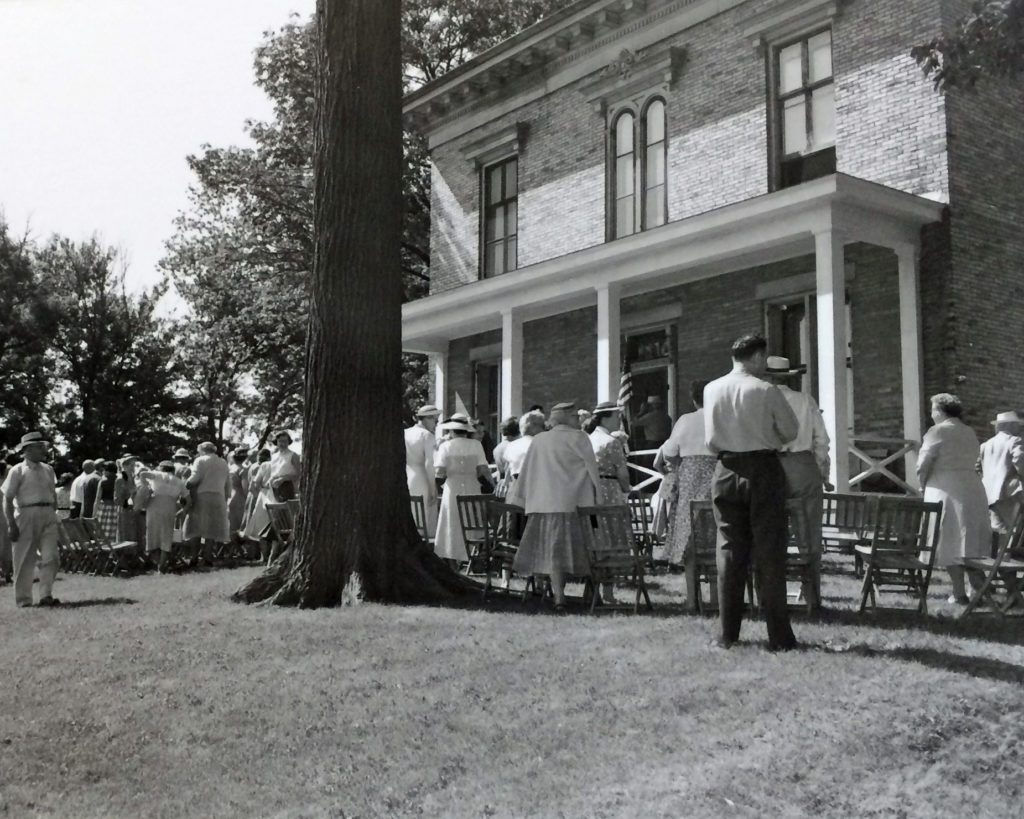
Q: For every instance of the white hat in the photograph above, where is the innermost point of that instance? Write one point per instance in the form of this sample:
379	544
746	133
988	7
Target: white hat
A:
1008	418
779	365
455	425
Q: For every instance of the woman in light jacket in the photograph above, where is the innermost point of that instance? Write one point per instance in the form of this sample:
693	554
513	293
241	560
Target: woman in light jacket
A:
946	470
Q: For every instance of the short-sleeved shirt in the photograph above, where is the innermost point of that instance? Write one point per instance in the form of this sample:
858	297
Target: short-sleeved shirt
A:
29	483
515	454
743	413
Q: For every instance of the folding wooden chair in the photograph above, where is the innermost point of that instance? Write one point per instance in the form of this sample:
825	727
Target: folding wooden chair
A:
125	556
475	523
614	555
281	526
642	519
901	553
506	524
700	560
803	558
419	517
1002	586
846	524
74	545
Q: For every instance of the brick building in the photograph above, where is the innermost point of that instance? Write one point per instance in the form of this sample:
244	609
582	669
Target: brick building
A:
640	181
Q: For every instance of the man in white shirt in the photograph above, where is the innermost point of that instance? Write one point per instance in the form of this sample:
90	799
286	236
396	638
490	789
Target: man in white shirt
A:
805	459
30	507
78	488
747	421
420	446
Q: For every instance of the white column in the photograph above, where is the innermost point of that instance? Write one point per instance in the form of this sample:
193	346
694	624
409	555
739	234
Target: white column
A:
830	276
608	342
910	352
511	364
440	362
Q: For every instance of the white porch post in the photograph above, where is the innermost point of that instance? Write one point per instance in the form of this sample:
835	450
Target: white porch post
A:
830	276
910	352
608	342
511	364
440	362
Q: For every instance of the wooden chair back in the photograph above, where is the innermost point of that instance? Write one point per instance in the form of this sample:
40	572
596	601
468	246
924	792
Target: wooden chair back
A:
846	512
1002	577
704	532
612	548
419	515
473	518
506	523
281	520
295	505
905	526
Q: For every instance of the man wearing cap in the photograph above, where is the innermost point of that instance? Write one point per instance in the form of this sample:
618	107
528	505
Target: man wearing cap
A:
1001	464
78	488
420	446
30	507
655	425
747	422
559	473
805	459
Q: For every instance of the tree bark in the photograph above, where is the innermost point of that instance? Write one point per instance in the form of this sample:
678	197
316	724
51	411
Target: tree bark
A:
355	538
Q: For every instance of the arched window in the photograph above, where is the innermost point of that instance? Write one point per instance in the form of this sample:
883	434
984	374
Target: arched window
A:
624	197
654	165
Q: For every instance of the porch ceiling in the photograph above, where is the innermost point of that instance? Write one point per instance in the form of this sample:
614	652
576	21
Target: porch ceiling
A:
757	231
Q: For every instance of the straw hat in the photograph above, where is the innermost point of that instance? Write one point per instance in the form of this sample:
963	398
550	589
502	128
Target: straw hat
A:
607	408
779	365
30	438
1008	418
428	411
453	425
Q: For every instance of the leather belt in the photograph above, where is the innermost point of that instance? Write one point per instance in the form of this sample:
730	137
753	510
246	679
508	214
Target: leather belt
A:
30	505
753	453
609	477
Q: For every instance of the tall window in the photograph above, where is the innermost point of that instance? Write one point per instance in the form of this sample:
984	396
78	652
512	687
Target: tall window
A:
805	110
625	173
637	174
500	217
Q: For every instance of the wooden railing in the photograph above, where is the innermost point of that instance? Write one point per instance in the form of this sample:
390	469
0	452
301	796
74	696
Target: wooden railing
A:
876	453
648	479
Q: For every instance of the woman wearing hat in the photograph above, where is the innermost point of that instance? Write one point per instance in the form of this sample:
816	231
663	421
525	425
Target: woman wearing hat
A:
420	446
611	457
460	462
946	469
167	490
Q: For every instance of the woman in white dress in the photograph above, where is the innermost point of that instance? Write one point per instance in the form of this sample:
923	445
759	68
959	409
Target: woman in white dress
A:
166	492
946	470
460	462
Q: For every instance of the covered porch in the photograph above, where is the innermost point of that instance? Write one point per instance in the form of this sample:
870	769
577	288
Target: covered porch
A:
816	221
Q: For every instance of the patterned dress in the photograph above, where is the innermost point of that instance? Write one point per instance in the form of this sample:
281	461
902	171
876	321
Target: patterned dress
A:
611	457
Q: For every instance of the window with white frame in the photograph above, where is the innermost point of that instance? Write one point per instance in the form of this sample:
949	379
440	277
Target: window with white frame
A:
804	110
637	173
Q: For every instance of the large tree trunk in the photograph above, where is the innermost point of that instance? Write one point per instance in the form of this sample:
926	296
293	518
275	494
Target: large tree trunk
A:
355	538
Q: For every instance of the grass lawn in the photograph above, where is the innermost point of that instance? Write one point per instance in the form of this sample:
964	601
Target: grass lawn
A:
156	696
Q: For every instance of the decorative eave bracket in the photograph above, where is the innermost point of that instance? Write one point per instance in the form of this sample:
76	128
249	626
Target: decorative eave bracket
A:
496	145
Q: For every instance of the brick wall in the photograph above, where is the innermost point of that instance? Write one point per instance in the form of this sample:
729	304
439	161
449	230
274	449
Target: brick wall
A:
560	359
890	129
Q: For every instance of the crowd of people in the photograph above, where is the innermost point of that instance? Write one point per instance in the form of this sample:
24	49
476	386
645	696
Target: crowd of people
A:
752	444
201	500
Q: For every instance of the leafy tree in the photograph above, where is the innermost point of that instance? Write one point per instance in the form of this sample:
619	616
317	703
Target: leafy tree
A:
113	357
27	322
989	42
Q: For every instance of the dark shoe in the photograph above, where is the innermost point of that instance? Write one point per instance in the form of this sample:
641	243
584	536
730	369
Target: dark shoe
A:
787	646
48	602
720	645
560	608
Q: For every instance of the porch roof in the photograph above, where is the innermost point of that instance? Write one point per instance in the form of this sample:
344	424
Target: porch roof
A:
766	228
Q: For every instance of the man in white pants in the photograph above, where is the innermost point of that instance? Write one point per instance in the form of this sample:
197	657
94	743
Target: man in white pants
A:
30	506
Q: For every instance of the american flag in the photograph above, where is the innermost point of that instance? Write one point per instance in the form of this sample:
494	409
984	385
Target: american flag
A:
625	388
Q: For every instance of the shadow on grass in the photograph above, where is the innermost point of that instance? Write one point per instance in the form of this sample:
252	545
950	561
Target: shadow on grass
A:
979	667
98	601
988	628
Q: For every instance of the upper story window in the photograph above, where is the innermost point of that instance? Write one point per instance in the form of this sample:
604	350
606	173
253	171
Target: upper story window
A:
637	174
804	110
500	217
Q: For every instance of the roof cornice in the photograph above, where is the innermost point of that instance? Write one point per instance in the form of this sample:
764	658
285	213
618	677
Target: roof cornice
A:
551	47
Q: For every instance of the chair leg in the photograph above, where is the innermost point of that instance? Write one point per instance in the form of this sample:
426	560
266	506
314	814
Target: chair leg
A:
865	589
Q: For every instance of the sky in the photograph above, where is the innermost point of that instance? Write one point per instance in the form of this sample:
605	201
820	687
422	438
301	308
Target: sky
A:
102	100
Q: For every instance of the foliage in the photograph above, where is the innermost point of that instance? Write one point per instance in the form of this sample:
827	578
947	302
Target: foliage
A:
113	358
989	42
27	321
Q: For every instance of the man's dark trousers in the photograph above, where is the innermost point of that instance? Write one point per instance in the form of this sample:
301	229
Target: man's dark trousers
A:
749	495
